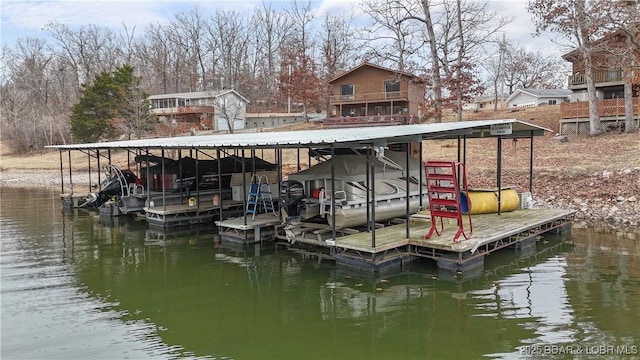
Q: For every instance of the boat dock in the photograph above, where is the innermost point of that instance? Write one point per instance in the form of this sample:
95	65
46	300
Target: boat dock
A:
171	216
491	232
361	213
248	229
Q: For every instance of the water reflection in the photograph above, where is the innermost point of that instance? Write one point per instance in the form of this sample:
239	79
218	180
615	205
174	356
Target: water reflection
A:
187	294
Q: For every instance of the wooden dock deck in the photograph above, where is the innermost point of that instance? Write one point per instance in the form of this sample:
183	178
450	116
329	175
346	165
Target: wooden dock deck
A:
248	230
183	214
491	232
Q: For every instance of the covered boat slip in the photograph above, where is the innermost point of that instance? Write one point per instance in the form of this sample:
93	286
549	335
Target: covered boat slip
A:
359	246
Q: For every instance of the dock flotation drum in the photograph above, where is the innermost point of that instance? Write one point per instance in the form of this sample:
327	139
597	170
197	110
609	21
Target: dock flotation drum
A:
486	201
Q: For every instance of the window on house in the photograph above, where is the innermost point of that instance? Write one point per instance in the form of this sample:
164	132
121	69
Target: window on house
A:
553	101
347	91
391	86
377	110
363	111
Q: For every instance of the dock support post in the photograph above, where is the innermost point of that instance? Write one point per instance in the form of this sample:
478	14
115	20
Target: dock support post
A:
499	166
61	174
531	162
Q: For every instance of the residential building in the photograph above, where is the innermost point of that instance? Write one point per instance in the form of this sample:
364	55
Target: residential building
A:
484	103
610	61
537	97
205	110
370	90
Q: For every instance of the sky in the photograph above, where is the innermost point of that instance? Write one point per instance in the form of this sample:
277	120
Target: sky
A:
27	18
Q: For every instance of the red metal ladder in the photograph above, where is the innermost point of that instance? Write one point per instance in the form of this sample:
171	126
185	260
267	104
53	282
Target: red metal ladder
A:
444	195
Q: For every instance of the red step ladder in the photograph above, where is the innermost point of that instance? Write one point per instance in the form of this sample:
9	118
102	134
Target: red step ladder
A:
444	195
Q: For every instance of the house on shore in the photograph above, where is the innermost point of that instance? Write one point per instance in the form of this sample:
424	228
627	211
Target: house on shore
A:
610	62
223	110
372	94
484	103
537	97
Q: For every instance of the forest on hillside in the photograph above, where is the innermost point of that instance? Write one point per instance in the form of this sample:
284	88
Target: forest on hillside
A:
457	49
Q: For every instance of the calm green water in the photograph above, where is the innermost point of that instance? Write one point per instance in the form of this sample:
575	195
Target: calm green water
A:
79	287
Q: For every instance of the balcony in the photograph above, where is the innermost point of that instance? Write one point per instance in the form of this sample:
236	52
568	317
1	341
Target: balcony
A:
606	107
600	76
369	97
362	121
184	110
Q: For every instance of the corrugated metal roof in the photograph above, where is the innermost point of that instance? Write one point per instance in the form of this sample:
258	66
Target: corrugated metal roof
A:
361	136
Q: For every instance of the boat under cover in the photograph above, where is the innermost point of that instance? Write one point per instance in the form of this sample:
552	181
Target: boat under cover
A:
308	193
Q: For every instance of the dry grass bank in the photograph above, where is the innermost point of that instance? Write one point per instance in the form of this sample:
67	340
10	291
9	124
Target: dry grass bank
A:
600	173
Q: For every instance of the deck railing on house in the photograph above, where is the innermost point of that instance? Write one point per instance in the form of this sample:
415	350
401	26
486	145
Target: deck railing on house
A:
357	121
600	76
199	109
606	107
370	97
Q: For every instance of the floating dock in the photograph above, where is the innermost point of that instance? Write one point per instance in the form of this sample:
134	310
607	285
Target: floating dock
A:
171	216
249	230
393	249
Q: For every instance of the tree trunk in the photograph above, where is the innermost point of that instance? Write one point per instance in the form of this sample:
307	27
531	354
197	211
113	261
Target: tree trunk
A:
595	127
629	123
435	63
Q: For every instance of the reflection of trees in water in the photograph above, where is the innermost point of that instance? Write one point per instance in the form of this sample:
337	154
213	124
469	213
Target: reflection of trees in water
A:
604	281
208	295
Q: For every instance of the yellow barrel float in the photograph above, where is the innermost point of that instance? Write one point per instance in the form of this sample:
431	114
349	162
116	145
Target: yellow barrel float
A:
486	201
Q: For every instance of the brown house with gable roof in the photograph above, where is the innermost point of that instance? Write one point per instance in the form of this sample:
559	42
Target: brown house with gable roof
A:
610	60
375	93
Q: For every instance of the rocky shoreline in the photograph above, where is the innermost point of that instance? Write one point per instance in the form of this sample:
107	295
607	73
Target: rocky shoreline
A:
608	197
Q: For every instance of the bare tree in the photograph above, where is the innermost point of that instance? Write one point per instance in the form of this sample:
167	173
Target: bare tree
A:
229	36
90	49
301	17
457	33
33	103
388	39
495	68
528	69
158	56
190	27
580	22
271	28
337	49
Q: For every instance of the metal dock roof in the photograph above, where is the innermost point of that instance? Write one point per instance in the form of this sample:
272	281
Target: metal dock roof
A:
361	136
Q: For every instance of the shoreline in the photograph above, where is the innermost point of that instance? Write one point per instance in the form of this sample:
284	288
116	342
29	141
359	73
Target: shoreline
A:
618	212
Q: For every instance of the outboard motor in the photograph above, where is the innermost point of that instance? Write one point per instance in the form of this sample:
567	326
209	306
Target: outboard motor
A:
291	195
112	188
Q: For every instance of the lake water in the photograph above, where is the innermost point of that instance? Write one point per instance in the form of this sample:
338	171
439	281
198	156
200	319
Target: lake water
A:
75	286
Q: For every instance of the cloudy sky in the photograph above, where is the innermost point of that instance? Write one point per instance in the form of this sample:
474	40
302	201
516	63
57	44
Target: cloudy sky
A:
26	18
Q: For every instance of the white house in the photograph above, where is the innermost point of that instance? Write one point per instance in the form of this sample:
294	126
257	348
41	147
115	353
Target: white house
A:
483	103
535	97
207	110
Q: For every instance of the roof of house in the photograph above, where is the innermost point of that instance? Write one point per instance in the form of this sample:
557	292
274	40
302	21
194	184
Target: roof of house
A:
605	39
540	93
196	95
368	64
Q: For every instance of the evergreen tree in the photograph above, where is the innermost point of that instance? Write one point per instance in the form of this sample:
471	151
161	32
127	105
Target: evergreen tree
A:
113	105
